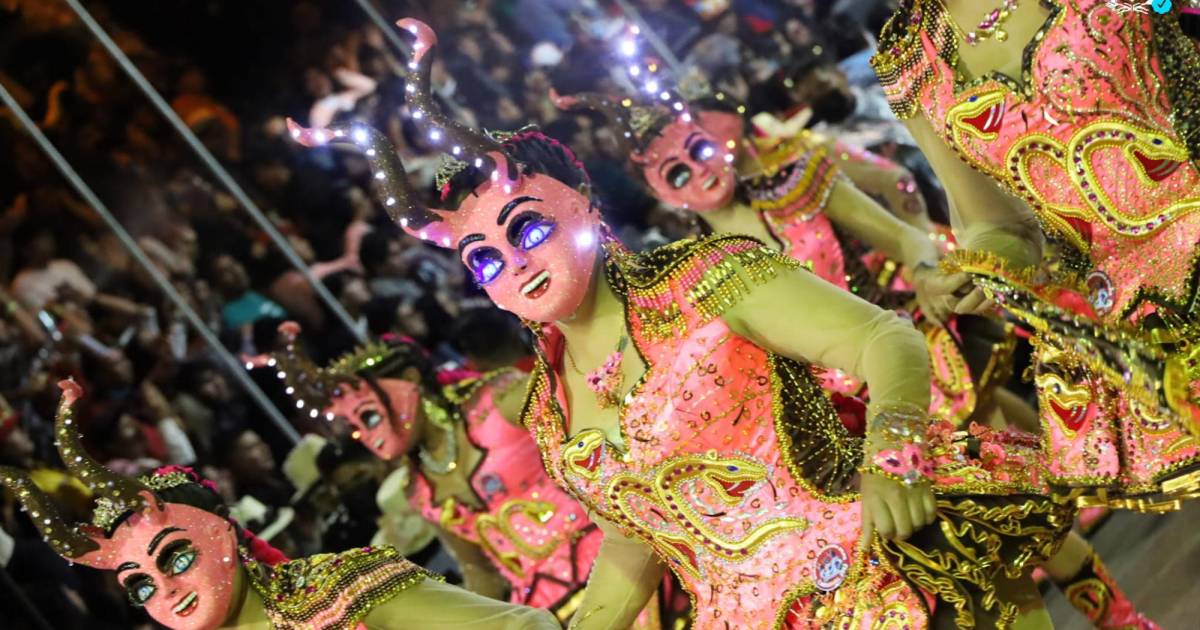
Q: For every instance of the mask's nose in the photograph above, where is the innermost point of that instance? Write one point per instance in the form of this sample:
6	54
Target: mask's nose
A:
520	262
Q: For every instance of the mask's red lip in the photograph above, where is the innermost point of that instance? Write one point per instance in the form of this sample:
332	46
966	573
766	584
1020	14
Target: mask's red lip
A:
187	605
537	286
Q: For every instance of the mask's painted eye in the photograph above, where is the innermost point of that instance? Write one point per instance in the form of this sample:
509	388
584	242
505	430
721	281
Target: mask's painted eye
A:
183	561
371	418
140	589
485	263
535	233
703	151
678	176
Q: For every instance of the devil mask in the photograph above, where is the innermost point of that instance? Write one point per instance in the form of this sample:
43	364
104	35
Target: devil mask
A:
528	237
177	561
358	388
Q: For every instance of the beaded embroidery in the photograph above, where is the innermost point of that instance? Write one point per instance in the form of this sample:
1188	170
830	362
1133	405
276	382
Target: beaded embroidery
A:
332	591
692	480
1099	144
538	538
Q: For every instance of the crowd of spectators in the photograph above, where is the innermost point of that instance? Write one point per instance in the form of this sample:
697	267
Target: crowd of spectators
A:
75	304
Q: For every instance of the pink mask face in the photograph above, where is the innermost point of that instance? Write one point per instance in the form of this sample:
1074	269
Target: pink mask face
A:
531	244
178	562
688	168
385	429
723	127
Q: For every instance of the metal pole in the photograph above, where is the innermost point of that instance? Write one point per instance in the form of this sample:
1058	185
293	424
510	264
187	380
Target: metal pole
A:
659	45
213	165
235	367
389	30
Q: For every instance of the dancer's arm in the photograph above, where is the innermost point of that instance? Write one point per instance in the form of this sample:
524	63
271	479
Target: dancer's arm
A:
983	215
798	315
624	577
852	210
511	401
479	576
434	605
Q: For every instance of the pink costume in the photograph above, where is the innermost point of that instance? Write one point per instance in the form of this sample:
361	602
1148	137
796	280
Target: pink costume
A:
790	195
538	537
732	466
179	561
735	469
1102	148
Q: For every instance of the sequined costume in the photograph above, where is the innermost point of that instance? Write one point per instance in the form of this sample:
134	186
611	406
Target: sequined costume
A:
190	568
537	536
331	591
733	467
530	531
1102	147
790	197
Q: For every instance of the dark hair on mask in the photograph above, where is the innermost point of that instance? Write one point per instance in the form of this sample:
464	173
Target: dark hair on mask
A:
534	152
403	355
189	493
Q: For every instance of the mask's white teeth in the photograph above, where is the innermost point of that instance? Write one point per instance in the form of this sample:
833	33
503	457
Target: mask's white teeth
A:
710	182
184	603
379	443
537	281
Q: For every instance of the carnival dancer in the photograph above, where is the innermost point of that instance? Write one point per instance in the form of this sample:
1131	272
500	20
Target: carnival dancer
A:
696	156
792	195
725	461
1087	118
168	540
475	476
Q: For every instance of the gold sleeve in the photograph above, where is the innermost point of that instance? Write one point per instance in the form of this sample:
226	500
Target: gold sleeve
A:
434	605
983	215
800	316
851	209
624	577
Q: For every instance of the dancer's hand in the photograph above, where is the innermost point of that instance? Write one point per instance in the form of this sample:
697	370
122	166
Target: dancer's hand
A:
893	509
975	303
938	294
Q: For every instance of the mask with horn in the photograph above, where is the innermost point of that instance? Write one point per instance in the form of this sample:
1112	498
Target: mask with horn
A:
369	388
685	153
176	560
515	205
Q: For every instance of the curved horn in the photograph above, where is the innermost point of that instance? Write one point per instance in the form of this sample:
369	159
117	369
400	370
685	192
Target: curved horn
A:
65	539
457	139
103	482
307	384
391	182
617	111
